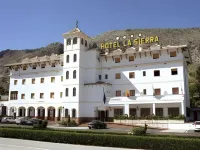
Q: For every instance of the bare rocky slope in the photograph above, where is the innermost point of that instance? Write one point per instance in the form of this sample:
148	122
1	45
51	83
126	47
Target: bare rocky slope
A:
183	36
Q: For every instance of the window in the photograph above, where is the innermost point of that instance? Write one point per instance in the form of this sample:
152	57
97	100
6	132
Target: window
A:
52	79
159	112
82	41
67	59
41	95
156	56
75	40
99	77
61	94
61	63
156	73
132	111
74	74
13	95
68	41
118	111
42	65
85	43
175	90
144	112
144	73
52	95
66	92
53	65
15	82
117	60
174	112
75	56
61	78
22	96
131	74
73	113
16	68
131	58
67	75
33	81
23	81
174	71
132	92
74	91
118	93
42	80
34	67
144	91
173	54
156	91
32	96
106	76
24	67
117	76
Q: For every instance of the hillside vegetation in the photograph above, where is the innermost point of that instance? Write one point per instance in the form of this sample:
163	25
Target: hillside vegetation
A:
166	37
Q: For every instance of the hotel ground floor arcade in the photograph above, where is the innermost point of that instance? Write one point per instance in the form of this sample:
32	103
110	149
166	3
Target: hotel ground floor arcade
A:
104	112
50	113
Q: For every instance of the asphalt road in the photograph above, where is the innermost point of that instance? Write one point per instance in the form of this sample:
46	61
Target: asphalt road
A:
15	144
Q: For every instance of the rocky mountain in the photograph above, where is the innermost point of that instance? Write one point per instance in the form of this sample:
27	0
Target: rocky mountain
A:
183	36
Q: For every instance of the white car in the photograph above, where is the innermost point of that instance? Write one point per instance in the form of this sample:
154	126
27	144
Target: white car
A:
196	126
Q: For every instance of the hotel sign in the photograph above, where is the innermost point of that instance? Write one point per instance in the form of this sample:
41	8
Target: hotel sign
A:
129	42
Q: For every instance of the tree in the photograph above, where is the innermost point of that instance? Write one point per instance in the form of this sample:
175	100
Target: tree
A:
198	75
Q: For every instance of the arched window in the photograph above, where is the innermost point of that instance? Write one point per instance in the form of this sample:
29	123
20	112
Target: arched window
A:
66	92
73	113
74	74
67	75
82	41
69	41
75	57
85	43
74	91
75	40
66	113
67	59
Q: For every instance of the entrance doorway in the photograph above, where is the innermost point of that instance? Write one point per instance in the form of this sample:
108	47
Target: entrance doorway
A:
103	115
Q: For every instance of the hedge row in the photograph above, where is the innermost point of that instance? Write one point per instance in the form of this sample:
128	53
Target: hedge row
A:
101	132
125	141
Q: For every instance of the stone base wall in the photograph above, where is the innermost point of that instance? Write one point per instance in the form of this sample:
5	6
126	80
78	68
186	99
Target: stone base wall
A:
133	122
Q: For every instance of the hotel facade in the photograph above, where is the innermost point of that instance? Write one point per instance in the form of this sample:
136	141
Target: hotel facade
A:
100	83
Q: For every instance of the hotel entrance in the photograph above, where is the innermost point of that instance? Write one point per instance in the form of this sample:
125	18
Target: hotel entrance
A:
103	115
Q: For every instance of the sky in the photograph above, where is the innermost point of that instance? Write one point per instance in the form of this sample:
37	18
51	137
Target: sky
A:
26	24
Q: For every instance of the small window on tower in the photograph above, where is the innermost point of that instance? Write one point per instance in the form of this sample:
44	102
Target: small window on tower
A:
106	76
174	71
99	77
131	74
24	67
53	65
34	67
42	65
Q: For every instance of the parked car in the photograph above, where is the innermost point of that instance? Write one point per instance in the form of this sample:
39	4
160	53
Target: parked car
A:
196	126
26	121
97	124
8	120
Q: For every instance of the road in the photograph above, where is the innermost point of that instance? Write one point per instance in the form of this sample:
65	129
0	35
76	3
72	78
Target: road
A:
15	144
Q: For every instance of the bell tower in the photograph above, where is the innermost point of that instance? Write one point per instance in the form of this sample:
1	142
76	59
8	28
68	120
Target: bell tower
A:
75	44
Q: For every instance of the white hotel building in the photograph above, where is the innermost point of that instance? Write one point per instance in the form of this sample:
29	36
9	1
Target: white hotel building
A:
72	84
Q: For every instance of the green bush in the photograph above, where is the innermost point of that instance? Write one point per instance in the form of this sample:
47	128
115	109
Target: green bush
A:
40	124
68	123
140	130
123	141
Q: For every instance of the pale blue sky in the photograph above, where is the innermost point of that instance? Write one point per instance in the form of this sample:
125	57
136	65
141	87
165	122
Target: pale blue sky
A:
26	24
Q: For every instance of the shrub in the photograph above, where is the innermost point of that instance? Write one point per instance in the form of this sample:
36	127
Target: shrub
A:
122	141
68	124
40	124
140	130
